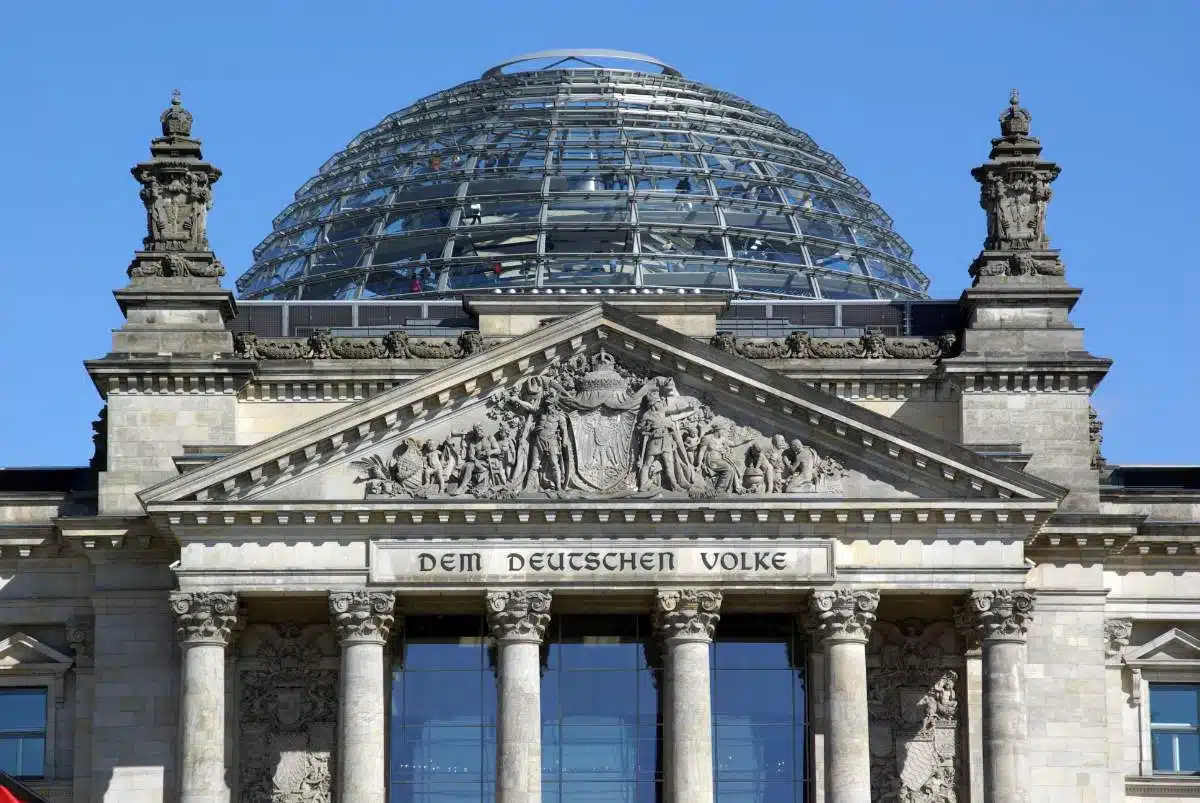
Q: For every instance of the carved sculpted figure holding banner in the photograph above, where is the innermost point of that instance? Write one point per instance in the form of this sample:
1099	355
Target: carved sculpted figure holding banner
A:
588	427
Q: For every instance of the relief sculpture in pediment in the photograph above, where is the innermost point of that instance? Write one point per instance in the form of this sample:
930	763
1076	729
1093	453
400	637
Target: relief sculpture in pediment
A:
590	427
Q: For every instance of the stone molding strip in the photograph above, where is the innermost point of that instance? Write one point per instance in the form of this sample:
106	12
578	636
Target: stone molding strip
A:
871	346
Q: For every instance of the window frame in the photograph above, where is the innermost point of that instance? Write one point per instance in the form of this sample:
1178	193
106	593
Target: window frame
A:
48	673
1172	728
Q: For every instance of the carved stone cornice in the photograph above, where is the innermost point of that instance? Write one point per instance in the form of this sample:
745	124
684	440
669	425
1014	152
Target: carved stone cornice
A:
518	615
871	346
844	614
1001	615
206	617
687	614
363	617
1116	636
321	345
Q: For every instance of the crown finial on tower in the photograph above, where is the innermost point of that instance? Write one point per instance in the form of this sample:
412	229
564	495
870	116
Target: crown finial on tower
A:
1015	192
177	192
1014	121
176	120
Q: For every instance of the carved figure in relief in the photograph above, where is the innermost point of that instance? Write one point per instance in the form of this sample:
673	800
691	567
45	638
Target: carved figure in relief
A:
590	427
758	476
663	453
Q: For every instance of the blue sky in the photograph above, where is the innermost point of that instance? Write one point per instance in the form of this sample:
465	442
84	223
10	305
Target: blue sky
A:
906	94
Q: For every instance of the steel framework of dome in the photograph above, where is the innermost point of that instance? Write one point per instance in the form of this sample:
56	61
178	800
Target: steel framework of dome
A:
566	173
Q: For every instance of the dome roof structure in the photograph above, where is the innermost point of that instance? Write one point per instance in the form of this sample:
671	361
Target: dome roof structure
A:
576	170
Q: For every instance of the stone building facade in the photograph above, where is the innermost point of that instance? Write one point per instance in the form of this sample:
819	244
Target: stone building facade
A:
221	606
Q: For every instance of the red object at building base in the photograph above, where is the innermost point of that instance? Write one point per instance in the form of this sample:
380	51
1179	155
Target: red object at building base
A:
13	791
8	797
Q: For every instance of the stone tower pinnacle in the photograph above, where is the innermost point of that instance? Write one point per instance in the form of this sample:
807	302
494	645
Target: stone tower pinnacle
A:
1014	193
177	190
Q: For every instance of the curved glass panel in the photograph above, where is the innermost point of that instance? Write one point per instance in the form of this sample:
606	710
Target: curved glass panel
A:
549	172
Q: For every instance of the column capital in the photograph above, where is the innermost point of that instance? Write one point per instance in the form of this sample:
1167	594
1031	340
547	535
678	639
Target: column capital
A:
843	614
518	615
204	617
363	617
687	614
1002	614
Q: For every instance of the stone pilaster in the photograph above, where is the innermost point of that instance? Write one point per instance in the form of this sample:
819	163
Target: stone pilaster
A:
204	625
518	620
843	620
686	619
1001	618
363	622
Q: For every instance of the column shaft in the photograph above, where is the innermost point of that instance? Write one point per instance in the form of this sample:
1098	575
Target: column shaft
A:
1001	619
518	621
204	625
691	767
843	619
519	731
686	620
848	746
363	621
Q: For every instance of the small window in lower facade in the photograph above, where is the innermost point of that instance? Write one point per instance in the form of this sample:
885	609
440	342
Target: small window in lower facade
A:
1175	727
23	732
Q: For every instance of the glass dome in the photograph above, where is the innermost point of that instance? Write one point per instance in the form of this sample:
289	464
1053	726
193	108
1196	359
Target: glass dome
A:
561	170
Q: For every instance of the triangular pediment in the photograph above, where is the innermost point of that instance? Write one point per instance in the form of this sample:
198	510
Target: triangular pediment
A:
21	651
604	405
1170	648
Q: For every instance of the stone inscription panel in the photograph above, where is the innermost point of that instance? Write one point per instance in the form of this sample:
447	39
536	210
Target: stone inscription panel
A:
598	562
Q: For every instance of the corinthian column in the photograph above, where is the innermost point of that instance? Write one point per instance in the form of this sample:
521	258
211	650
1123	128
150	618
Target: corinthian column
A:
363	622
1002	618
518	621
204	623
843	619
685	619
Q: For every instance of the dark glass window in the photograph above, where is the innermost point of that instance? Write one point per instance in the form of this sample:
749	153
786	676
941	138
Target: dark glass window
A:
443	713
759	709
1175	727
23	732
601	729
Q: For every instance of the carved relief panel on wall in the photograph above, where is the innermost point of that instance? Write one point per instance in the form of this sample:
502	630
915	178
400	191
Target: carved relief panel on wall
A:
914	685
287	709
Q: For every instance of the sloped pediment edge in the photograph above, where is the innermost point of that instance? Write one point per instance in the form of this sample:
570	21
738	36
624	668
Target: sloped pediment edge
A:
1170	647
21	651
369	425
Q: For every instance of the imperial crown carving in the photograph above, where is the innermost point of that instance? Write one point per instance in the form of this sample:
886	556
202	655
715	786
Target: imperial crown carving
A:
687	613
204	617
362	616
843	613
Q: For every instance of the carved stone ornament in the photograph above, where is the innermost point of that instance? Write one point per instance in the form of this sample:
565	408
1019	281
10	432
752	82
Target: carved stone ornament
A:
1116	637
871	346
1015	194
1096	437
687	614
287	710
843	613
912	702
1001	615
518	615
204	617
177	192
81	635
321	345
589	428
362	616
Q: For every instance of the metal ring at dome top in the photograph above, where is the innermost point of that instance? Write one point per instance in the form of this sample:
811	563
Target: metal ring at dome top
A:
582	55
